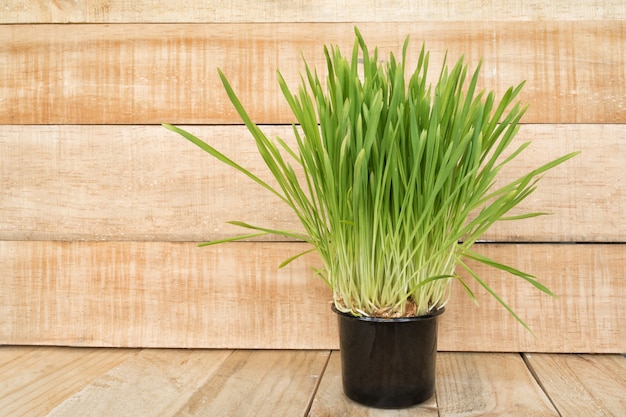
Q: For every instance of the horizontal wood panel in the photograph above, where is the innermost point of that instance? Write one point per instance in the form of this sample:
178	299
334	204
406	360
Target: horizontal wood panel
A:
160	294
144	74
155	11
147	183
177	295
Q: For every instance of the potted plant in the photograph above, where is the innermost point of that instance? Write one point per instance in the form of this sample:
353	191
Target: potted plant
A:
398	184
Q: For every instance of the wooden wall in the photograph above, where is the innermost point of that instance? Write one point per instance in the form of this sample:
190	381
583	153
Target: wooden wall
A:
101	208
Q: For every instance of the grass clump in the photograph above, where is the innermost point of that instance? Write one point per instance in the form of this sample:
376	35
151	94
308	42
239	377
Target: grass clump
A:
399	177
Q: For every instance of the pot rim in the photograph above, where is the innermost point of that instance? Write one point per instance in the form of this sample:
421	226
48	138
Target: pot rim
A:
435	313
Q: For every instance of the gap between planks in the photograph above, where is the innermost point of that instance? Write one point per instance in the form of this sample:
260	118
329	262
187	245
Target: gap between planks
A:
53	381
581	385
243	11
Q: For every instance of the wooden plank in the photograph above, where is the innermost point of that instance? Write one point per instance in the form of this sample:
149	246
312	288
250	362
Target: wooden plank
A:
260	383
582	384
152	383
588	281
479	384
155	294
35	379
65	183
159	295
142	73
330	400
57	381
156	11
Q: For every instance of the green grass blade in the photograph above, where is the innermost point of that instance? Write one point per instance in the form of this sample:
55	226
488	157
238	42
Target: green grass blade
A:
495	295
400	177
221	157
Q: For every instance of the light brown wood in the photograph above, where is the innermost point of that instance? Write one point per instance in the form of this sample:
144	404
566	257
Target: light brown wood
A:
485	385
35	379
233	296
57	381
195	383
151	383
140	73
65	183
98	205
160	295
110	11
582	384
330	401
588	281
260	383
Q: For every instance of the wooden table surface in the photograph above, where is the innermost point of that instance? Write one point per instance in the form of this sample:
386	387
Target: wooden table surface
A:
61	381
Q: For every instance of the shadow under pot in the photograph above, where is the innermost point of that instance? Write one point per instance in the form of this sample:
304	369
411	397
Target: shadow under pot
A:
388	363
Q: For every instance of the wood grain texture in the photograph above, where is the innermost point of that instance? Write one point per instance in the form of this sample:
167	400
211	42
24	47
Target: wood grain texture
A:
330	401
160	295
233	296
582	385
66	183
151	11
588	281
488	385
151	73
98	207
203	383
58	381
151	383
260	384
35	379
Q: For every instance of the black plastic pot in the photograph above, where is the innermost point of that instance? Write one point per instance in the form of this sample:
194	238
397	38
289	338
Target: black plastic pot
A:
388	363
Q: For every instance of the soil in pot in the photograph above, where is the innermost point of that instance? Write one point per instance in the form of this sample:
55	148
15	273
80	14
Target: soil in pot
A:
388	363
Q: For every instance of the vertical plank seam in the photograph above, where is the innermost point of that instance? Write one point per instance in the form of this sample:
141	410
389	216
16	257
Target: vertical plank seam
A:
183	408
307	411
537	379
437	397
